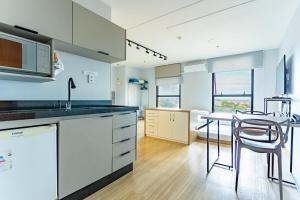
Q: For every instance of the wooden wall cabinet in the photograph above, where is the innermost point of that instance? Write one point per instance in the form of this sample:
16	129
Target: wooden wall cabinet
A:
168	125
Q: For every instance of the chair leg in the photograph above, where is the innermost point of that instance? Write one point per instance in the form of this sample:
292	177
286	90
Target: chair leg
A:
280	173
238	160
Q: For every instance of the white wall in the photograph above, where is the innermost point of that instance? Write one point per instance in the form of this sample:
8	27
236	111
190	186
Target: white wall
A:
197	91
291	47
97	6
265	80
119	83
57	90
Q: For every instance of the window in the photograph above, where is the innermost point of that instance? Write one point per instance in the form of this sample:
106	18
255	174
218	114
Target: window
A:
168	96
233	91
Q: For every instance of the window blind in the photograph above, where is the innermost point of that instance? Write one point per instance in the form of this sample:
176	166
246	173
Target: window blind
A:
236	62
168	71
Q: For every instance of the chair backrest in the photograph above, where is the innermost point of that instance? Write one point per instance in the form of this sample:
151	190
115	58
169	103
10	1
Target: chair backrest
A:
252	112
251	127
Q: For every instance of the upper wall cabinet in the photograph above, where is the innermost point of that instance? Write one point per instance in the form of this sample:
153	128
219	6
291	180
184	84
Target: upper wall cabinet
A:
93	32
51	18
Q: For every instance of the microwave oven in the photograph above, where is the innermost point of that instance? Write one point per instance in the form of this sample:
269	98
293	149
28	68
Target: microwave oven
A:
24	56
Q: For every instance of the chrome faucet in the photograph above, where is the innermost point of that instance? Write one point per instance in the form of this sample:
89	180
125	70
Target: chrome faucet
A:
71	85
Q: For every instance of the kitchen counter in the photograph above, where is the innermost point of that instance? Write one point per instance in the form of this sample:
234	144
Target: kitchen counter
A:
15	114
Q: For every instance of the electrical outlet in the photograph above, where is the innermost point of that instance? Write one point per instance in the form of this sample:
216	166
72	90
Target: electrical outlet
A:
91	78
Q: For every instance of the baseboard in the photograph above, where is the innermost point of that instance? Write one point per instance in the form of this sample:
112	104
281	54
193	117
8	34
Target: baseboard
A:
94	187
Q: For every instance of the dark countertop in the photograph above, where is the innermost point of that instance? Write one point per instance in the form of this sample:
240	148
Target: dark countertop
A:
49	110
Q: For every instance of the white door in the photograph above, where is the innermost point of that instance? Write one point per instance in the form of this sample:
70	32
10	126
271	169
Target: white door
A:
164	125
28	164
180	127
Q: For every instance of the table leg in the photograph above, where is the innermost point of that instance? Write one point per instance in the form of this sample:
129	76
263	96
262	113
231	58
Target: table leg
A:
231	144
292	150
207	146
218	137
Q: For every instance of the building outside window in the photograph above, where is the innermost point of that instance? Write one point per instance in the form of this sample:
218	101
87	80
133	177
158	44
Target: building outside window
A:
233	91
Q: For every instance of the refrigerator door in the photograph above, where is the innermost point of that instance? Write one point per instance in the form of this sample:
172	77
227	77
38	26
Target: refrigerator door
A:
28	164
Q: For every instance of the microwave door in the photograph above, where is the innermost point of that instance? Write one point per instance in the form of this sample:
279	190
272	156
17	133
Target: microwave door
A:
10	54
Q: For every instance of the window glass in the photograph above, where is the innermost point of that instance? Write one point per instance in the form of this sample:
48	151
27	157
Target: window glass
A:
168	89
168	96
168	102
238	82
232	91
231	104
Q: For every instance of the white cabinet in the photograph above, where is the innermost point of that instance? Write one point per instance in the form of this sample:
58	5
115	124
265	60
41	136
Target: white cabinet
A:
85	152
168	125
180	126
165	124
96	33
50	18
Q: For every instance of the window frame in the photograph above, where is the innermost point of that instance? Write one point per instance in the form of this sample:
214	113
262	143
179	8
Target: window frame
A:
172	96
232	95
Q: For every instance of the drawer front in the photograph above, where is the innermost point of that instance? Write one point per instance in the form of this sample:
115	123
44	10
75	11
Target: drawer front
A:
122	120
124	133
151	132
123	160
151	113
123	146
151	119
151	126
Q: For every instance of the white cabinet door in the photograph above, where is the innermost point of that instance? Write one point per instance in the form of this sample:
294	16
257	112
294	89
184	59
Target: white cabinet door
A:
164	125
52	18
96	33
85	152
180	126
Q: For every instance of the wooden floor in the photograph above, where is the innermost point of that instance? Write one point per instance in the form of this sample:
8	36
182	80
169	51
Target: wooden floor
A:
166	170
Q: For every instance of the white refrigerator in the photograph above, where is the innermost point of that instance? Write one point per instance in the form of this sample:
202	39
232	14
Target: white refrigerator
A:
28	164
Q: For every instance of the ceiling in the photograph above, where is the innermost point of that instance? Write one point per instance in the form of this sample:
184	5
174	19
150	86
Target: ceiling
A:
207	28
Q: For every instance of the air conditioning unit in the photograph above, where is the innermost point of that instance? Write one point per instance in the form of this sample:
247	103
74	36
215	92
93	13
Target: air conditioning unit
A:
195	66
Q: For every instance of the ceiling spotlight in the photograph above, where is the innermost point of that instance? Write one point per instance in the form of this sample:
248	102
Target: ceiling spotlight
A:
165	58
160	56
147	51
154	54
129	43
137	47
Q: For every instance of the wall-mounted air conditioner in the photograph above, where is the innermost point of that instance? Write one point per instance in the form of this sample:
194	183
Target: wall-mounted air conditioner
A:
195	66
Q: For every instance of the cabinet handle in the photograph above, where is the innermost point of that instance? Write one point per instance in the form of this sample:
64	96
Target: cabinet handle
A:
26	29
104	53
173	117
125	127
106	116
123	154
124	140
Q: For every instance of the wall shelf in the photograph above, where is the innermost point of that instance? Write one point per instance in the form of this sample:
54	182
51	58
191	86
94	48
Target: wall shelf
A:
24	77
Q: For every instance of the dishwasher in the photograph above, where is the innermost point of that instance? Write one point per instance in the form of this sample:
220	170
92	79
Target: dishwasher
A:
28	164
